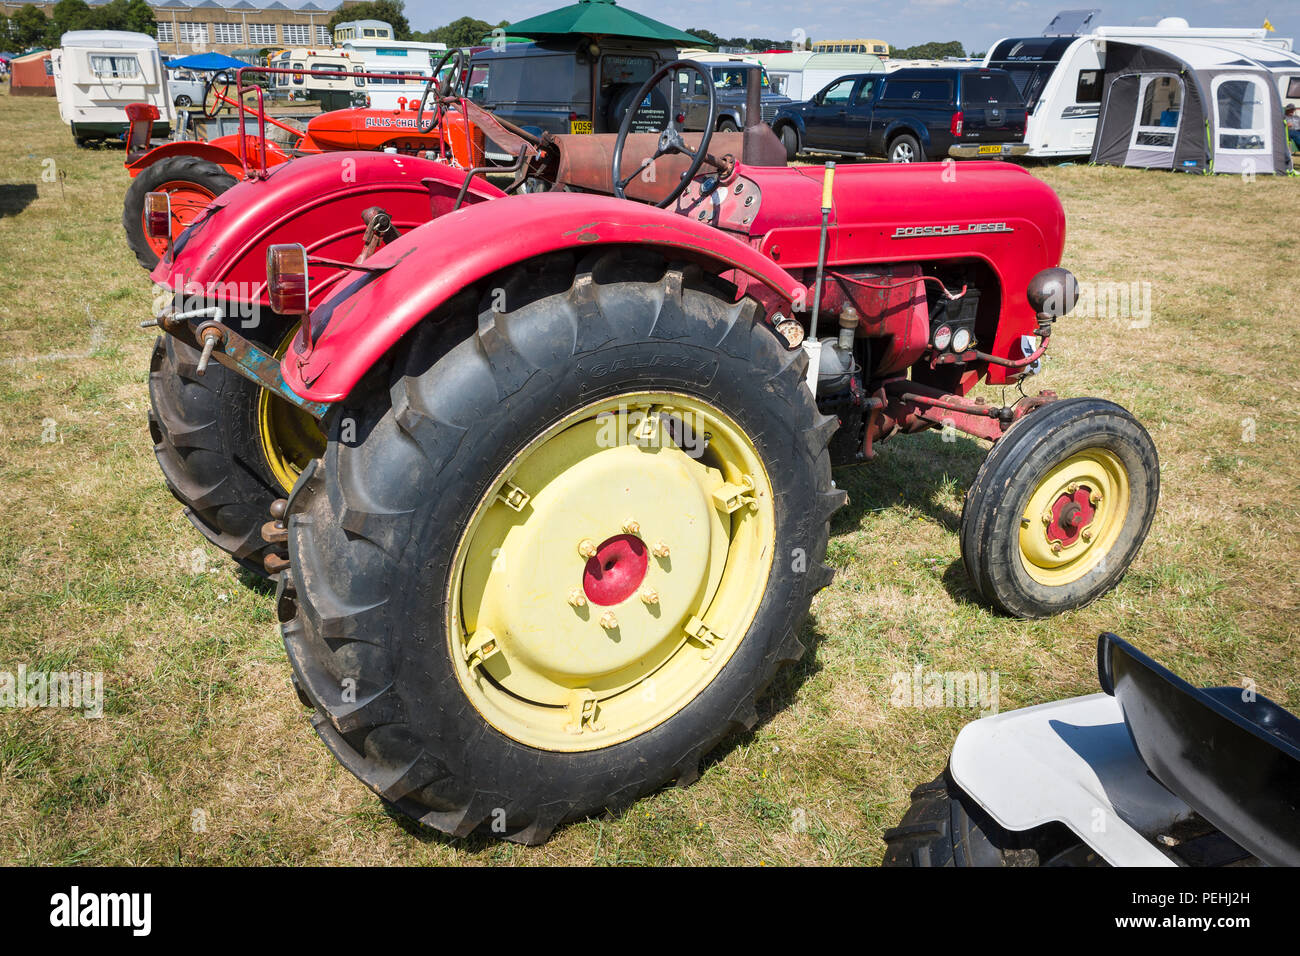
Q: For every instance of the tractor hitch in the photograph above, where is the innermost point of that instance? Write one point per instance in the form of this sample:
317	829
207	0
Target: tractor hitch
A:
212	338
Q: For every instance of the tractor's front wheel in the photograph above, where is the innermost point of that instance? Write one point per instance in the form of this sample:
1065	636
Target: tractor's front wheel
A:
544	569
1060	507
190	182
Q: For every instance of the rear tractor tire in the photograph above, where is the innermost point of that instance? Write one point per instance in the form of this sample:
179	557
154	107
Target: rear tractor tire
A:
562	555
227	449
1060	508
192	184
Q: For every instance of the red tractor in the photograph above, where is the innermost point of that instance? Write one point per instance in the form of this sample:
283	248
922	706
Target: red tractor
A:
194	172
574	495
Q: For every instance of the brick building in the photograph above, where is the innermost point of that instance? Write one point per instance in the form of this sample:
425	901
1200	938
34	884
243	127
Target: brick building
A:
196	26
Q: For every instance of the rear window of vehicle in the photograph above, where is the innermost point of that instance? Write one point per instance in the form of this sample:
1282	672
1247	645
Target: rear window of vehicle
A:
918	91
989	89
1293	88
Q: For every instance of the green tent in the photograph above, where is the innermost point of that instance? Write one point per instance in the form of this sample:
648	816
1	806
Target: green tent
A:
600	18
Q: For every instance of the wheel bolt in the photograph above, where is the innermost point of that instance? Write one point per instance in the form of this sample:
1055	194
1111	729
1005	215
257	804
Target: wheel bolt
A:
660	550
587	548
1095	498
631	527
608	621
1086	535
1056	547
1047	517
650	596
1072	487
577	598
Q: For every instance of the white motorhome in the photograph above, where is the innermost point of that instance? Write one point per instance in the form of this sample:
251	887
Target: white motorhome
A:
1061	77
801	75
393	57
331	85
98	72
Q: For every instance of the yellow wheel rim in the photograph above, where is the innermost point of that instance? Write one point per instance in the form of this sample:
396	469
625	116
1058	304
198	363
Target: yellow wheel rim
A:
1074	517
290	437
610	571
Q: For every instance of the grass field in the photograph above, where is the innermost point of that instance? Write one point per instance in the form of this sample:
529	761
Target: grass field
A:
204	755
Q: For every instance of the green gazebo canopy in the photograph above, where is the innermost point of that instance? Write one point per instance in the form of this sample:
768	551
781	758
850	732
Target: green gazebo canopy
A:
600	18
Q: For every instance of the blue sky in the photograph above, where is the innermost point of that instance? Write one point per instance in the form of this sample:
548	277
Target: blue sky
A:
977	23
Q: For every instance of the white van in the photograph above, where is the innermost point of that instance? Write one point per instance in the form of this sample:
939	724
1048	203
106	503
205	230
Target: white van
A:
333	92
391	57
98	72
1061	78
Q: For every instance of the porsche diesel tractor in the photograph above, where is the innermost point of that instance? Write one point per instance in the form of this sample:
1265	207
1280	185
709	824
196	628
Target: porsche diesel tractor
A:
572	501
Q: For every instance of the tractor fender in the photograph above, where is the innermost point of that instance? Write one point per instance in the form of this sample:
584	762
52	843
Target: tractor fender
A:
369	312
316	201
213	152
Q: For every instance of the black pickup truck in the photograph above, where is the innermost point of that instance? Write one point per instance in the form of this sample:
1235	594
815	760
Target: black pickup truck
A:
910	115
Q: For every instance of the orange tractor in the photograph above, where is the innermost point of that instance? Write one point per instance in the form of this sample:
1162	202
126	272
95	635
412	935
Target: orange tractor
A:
194	172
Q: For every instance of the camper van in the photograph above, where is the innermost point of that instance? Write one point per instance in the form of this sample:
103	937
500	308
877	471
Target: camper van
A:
98	72
331	86
394	57
1061	77
800	75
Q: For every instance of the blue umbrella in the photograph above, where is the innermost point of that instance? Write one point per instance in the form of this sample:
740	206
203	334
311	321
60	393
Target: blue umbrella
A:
206	61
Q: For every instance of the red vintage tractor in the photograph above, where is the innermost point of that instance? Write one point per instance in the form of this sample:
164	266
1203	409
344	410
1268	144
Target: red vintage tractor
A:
574	497
193	172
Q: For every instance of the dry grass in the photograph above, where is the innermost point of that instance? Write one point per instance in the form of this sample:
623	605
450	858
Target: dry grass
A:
99	571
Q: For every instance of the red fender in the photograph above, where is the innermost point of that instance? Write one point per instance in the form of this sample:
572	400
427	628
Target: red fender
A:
434	262
224	151
315	200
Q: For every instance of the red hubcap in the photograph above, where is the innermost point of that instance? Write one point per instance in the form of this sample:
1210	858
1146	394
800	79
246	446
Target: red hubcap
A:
616	570
1071	513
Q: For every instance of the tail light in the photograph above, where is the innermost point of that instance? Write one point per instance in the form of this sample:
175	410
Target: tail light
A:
955	126
286	278
158	215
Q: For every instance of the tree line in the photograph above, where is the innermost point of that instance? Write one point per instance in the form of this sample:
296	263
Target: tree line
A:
29	27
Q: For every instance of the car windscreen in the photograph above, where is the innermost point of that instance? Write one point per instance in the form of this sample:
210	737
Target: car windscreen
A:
1029	78
733	78
989	88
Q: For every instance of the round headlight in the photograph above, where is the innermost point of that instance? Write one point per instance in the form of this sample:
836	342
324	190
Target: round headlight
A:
961	340
942	336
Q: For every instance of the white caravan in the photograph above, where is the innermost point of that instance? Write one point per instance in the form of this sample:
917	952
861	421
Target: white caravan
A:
98	72
391	57
801	76
1061	77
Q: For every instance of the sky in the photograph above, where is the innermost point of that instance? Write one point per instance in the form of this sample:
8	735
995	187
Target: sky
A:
976	23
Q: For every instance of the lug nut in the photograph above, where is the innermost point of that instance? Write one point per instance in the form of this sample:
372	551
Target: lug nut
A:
1072	487
608	621
1095	498
587	548
660	550
1056	547
1047	517
631	527
577	598
650	596
1086	535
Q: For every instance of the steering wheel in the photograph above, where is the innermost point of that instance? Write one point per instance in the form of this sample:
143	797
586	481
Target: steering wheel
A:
444	87
224	79
670	137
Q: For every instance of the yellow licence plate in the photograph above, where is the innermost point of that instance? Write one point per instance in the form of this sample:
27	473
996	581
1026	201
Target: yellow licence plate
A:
580	126
995	148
